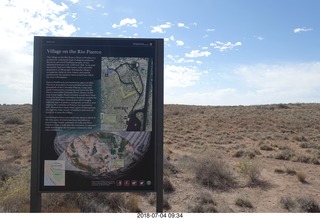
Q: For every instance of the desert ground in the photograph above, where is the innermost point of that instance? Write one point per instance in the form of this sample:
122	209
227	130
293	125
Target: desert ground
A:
262	158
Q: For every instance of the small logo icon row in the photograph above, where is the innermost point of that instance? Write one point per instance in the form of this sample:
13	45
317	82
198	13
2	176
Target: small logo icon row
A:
130	183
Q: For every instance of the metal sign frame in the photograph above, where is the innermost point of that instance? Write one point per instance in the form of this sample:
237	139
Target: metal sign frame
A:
57	63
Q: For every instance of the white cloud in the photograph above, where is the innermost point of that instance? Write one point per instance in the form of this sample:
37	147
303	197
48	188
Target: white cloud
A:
303	29
42	17
74	1
210	30
180	76
161	28
197	53
282	83
183	25
224	46
89	7
178	60
253	85
129	22
180	43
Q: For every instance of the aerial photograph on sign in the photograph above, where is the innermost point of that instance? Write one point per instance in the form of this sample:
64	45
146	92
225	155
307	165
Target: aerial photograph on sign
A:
126	93
98	155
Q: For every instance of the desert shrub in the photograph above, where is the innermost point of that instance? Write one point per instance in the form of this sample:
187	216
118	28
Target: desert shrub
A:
300	138
302	177
283	106
203	203
13	121
300	204
153	198
169	168
242	153
288	203
286	154
309	145
244	203
7	170
15	150
14	193
290	171
98	202
166	205
286	170
132	203
279	170
167	185
58	202
250	169
214	173
266	148
307	159
308	204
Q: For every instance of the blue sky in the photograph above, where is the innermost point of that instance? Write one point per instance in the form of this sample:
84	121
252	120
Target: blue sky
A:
217	52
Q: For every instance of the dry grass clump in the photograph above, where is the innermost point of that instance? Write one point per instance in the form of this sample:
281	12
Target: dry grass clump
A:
98	202
242	153
244	203
286	170
214	173
167	185
300	204
165	204
307	159
14	120
302	177
203	203
14	193
286	154
252	170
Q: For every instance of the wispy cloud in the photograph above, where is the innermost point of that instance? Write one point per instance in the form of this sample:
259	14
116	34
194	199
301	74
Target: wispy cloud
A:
279	83
224	46
302	29
178	60
41	18
180	76
161	28
74	1
197	53
89	7
210	30
129	22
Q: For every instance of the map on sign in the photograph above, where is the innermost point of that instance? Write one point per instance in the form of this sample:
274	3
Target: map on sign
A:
126	93
54	173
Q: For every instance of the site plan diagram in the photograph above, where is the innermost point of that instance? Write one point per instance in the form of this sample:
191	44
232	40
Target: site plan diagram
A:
126	93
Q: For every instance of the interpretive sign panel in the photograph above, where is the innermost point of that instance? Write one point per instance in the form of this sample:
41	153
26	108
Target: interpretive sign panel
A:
97	113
